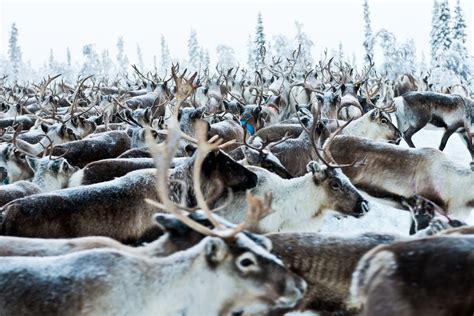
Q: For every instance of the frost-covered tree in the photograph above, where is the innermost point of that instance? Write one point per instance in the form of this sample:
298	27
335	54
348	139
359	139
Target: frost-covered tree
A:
368	34
459	24
194	51
92	65
445	28
122	59
422	66
51	59
303	41
461	64
14	51
165	55
250	55
205	59
398	58
68	56
107	63
434	41
441	34
54	66
68	71
340	52
450	56
226	56
259	43
282	46
141	65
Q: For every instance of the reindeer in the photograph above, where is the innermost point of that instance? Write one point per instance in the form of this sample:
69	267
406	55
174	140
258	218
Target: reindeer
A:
267	283
262	157
176	236
388	171
391	280
116	208
100	146
108	169
405	83
13	165
375	124
276	132
414	110
349	104
325	182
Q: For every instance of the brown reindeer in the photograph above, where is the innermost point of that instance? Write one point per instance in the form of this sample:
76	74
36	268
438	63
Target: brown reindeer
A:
389	171
429	276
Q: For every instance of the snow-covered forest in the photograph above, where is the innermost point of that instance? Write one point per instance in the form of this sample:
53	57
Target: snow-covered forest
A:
449	60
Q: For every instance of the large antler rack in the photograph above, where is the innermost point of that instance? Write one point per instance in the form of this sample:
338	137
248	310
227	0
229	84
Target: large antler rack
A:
184	87
329	161
163	155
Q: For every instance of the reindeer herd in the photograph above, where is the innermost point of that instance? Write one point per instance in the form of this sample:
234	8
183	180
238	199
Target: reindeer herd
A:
205	194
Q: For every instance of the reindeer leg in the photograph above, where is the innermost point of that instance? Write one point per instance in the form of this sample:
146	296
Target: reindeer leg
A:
447	133
466	136
409	133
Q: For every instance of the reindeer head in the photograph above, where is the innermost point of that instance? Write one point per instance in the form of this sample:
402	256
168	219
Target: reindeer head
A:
51	173
59	133
252	118
341	195
81	126
378	126
262	156
13	166
220	167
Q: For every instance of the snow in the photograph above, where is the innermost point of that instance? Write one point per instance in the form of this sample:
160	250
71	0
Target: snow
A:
383	218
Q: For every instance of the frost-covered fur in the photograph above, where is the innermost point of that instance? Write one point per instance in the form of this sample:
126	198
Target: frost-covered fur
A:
389	171
299	204
51	173
106	281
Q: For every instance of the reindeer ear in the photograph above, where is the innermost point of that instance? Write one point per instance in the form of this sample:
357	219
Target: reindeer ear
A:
257	110
32	162
226	105
375	114
70	132
320	127
215	250
44	128
318	171
277	100
343	89
171	224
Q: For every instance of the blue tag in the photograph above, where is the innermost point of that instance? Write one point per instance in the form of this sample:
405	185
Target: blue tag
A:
249	127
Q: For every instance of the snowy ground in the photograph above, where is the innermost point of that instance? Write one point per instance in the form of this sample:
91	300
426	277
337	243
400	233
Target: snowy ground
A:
383	218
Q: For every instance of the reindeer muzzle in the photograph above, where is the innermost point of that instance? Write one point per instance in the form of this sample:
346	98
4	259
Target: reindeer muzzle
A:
362	208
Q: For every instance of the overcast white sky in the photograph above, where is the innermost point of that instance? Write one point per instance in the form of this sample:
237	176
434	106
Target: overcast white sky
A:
57	24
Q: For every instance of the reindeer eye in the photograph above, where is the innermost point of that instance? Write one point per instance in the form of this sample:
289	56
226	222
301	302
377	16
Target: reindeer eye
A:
246	262
335	185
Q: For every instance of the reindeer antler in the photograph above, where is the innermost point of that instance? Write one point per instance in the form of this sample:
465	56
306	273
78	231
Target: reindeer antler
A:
258	208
